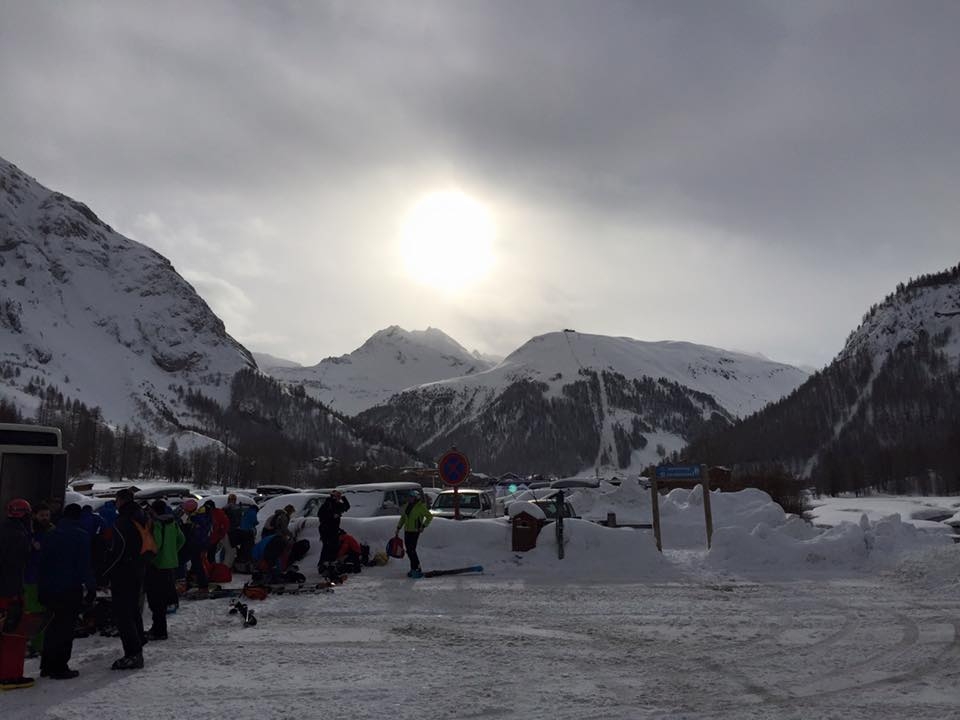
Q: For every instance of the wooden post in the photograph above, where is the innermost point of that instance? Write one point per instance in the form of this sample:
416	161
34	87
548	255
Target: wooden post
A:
655	510
707	512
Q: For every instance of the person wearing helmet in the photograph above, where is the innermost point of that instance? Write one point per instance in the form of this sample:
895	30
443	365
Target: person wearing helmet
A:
14	551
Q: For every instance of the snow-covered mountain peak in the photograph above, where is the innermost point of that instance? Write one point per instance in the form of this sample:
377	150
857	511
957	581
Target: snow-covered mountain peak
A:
741	383
396	337
104	318
391	360
566	401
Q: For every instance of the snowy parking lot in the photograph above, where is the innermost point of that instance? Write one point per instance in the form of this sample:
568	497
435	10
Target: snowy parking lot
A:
881	645
780	619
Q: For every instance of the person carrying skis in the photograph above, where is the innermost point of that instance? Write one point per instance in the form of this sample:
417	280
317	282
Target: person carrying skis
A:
14	551
159	579
65	582
329	515
414	519
126	572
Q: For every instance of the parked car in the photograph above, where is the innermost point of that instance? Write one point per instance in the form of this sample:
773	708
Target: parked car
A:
265	492
377	499
549	507
567	483
305	505
221	500
172	494
473	504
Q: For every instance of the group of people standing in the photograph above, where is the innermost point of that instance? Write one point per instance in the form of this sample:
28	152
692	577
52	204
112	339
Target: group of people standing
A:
51	567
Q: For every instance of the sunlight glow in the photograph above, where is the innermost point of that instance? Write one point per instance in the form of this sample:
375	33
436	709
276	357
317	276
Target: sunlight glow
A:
447	240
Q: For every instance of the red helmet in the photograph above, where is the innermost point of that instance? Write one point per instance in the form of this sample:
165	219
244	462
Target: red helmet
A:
189	505
18	508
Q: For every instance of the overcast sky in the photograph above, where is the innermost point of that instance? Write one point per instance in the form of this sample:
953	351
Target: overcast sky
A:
750	175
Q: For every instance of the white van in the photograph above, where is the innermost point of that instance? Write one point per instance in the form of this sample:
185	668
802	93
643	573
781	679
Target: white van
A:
377	499
473	504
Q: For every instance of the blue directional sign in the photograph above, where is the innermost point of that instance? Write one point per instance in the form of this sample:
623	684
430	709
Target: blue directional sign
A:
679	472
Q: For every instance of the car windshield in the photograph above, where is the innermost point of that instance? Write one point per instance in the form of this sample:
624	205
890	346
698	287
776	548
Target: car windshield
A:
549	508
467	501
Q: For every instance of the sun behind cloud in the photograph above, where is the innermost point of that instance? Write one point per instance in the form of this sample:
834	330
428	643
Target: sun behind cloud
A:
447	240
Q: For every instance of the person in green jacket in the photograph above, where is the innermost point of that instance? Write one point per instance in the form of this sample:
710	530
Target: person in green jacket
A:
159	580
414	519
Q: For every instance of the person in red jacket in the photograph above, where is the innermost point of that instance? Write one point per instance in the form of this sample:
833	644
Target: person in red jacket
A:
14	551
220	526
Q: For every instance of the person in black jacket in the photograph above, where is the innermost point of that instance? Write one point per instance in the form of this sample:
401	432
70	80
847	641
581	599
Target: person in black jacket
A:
14	551
126	580
65	573
329	514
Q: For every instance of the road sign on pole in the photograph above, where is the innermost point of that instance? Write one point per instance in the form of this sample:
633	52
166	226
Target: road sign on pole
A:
679	472
454	469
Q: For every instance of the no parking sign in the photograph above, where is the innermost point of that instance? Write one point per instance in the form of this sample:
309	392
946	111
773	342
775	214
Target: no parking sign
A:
454	468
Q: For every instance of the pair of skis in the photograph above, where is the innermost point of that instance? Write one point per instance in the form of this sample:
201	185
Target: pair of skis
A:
454	571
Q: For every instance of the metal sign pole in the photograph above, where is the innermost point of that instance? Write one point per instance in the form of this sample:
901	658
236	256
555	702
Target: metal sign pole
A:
655	509
456	502
560	524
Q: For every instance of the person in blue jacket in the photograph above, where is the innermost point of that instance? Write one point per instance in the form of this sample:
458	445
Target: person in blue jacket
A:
65	577
247	534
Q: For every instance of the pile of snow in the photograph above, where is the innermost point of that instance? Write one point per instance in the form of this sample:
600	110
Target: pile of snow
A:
928	513
591	552
752	536
791	548
524	506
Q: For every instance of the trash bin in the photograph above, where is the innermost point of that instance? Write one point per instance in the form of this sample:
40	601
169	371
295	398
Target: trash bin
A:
526	528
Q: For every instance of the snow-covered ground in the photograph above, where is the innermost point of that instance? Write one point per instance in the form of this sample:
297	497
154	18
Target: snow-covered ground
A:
778	620
682	644
926	512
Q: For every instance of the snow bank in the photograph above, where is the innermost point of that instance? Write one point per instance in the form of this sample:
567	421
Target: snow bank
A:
523	506
752	535
592	552
789	549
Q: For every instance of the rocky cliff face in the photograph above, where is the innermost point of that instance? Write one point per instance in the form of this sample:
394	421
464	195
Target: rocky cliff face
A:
106	319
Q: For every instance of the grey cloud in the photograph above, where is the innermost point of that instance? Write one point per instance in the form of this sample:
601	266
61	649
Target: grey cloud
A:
807	149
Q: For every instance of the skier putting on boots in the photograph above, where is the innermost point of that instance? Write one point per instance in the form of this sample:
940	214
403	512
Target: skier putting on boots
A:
414	520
